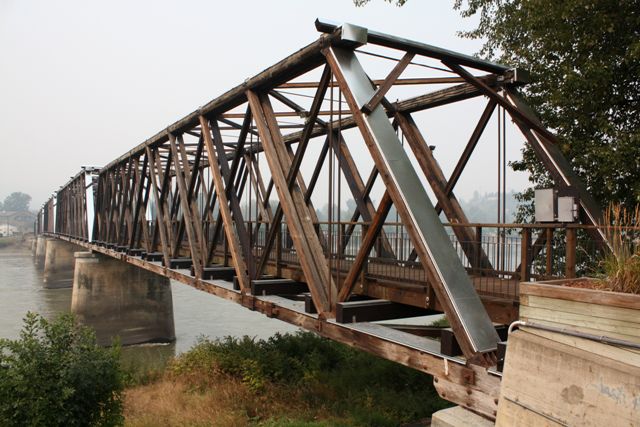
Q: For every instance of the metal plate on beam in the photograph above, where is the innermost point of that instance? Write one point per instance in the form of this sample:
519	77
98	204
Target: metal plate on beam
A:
451	273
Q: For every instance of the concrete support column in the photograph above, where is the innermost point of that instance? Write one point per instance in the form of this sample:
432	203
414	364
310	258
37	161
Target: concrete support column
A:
120	299
40	251
59	263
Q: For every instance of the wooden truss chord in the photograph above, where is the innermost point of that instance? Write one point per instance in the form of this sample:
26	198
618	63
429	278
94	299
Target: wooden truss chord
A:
295	208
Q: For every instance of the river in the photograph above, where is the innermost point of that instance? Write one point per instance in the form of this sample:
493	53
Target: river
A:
196	313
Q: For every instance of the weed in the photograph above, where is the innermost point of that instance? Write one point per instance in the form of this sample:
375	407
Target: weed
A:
621	265
295	380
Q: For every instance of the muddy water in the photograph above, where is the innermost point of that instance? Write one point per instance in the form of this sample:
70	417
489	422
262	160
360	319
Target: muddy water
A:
196	313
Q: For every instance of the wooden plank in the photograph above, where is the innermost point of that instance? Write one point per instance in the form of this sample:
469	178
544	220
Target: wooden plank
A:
512	413
567	385
621	354
616	299
593	310
592	331
578	321
458	417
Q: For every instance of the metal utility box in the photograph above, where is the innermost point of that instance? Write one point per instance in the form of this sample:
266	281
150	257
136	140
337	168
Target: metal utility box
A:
567	209
545	205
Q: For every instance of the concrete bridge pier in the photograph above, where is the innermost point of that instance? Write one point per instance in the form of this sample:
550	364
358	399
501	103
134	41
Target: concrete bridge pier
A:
120	299
59	263
40	251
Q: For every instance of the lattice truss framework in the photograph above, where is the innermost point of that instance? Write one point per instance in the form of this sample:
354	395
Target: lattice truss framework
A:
229	183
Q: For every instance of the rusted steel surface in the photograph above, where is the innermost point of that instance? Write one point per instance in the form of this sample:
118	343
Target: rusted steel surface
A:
229	191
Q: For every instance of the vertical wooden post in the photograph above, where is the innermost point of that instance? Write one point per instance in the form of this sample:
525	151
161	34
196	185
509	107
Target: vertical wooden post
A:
478	243
365	266
549	255
278	250
525	262
225	248
570	266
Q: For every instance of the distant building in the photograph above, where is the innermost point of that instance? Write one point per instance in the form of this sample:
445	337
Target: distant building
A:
8	230
14	222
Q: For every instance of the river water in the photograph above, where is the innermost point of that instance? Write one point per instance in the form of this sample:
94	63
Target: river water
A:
196	313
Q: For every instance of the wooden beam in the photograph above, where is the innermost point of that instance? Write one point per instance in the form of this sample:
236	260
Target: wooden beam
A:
368	241
194	244
234	244
293	175
373	310
295	209
160	207
452	209
384	87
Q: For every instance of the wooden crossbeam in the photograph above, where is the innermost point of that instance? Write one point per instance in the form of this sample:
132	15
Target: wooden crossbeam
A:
384	87
232	240
294	207
372	310
435	177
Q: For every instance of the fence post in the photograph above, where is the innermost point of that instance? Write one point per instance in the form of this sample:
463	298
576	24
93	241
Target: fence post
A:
279	251
570	266
549	249
525	262
478	249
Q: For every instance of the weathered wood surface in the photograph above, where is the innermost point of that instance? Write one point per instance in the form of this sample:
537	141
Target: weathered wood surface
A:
458	417
547	382
596	312
552	289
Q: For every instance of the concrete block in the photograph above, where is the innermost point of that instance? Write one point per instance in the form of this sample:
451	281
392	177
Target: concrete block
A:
120	299
59	263
458	417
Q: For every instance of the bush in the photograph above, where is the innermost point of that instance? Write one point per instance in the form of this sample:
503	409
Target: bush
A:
327	377
55	374
621	264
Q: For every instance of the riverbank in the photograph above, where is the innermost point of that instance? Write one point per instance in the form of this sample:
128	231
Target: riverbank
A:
287	380
13	242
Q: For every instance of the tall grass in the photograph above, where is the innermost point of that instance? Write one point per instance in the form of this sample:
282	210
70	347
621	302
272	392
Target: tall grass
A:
621	265
292	379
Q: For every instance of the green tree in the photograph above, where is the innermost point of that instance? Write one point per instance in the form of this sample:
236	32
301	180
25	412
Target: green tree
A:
17	201
584	58
56	375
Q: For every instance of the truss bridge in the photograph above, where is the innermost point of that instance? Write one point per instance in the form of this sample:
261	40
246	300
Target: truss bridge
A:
247	198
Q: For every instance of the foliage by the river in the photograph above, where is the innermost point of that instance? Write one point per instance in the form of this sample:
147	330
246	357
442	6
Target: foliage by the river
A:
293	379
621	265
56	375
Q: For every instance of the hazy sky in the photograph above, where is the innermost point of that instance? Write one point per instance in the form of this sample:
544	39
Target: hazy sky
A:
82	82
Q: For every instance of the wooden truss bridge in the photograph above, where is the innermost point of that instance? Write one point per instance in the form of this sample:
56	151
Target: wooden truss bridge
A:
222	200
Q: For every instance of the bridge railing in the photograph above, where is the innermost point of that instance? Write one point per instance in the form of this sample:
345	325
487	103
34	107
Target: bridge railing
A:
516	252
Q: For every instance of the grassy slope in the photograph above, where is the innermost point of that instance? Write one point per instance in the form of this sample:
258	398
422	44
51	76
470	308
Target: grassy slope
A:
288	380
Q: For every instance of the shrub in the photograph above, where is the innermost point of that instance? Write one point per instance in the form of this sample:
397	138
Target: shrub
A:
56	375
621	265
323	376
